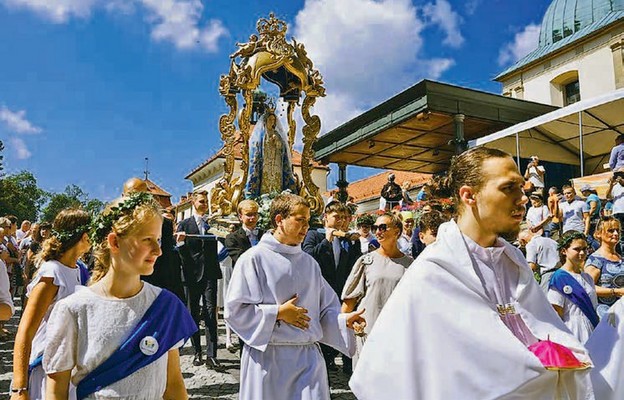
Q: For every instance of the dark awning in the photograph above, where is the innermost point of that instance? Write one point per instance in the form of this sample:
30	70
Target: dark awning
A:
411	131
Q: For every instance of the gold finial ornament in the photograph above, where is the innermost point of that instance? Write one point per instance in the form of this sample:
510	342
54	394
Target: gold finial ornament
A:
271	27
268	57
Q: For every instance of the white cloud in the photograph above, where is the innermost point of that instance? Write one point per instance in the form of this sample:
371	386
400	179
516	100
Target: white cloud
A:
524	42
58	11
381	57
175	21
18	146
178	21
441	13
471	6
16	121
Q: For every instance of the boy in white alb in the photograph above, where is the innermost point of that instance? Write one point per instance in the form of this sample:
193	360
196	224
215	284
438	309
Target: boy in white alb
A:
281	307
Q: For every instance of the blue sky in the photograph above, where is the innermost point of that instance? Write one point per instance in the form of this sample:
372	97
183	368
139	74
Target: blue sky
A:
89	88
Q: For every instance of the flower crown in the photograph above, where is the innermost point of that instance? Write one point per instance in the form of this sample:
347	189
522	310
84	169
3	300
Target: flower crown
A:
65	236
103	223
565	240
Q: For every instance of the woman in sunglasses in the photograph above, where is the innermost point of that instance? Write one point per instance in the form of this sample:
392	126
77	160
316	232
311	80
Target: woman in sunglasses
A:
375	275
605	265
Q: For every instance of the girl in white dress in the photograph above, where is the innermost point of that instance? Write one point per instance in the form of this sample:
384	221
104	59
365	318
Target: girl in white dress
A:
103	322
57	277
563	297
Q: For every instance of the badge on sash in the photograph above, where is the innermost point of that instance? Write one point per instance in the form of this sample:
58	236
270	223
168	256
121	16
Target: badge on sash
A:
505	309
567	289
367	260
148	345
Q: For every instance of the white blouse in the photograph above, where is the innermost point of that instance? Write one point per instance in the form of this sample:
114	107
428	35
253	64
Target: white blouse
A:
85	329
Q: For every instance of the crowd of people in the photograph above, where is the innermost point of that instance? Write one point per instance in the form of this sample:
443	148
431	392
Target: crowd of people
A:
487	299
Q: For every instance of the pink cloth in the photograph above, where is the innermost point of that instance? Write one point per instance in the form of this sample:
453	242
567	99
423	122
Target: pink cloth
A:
553	355
499	276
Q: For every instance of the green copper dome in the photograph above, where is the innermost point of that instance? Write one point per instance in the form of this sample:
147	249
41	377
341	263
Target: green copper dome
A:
565	17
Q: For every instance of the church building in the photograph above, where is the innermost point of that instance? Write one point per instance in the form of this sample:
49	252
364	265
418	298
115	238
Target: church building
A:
579	55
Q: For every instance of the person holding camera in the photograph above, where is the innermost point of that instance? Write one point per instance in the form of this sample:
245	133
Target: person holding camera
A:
535	175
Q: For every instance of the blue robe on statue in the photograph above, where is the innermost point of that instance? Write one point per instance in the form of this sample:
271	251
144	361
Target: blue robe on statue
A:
258	161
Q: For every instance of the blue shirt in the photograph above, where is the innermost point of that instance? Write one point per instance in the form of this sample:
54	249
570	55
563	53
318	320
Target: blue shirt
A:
608	206
611	275
617	157
590	198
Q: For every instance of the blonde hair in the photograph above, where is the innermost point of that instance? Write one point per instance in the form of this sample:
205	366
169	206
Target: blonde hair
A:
5	222
395	220
123	226
606	223
67	230
246	204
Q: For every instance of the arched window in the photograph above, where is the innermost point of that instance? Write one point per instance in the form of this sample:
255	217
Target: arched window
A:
566	89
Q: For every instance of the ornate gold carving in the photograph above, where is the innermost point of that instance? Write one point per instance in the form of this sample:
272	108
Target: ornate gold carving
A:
268	55
220	196
245	131
246	49
292	124
226	125
310	131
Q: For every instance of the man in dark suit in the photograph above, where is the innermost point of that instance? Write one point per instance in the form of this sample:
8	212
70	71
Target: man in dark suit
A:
247	235
336	251
201	271
167	269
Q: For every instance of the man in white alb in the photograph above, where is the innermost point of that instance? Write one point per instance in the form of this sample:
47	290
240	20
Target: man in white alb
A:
460	322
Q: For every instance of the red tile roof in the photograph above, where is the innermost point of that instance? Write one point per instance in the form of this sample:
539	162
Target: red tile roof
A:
155	189
369	188
296	159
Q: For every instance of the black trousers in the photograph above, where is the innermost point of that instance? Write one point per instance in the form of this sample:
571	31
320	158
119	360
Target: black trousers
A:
207	310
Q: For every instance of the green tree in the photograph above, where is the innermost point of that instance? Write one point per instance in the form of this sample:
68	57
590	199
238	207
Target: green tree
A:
20	196
94	206
72	197
1	159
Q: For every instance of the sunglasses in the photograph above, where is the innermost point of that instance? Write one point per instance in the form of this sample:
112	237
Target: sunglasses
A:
380	227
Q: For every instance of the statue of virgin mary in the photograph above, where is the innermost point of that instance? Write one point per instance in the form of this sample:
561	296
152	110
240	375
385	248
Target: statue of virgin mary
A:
270	160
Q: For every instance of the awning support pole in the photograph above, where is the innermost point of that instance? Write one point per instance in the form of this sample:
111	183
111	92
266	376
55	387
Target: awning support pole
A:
580	119
460	142
342	183
518	150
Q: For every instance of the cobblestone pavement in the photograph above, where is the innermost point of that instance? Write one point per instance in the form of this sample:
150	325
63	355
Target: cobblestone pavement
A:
201	382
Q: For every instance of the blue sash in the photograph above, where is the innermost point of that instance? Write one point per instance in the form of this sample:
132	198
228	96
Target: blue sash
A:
560	279
167	320
223	254
85	275
36	362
